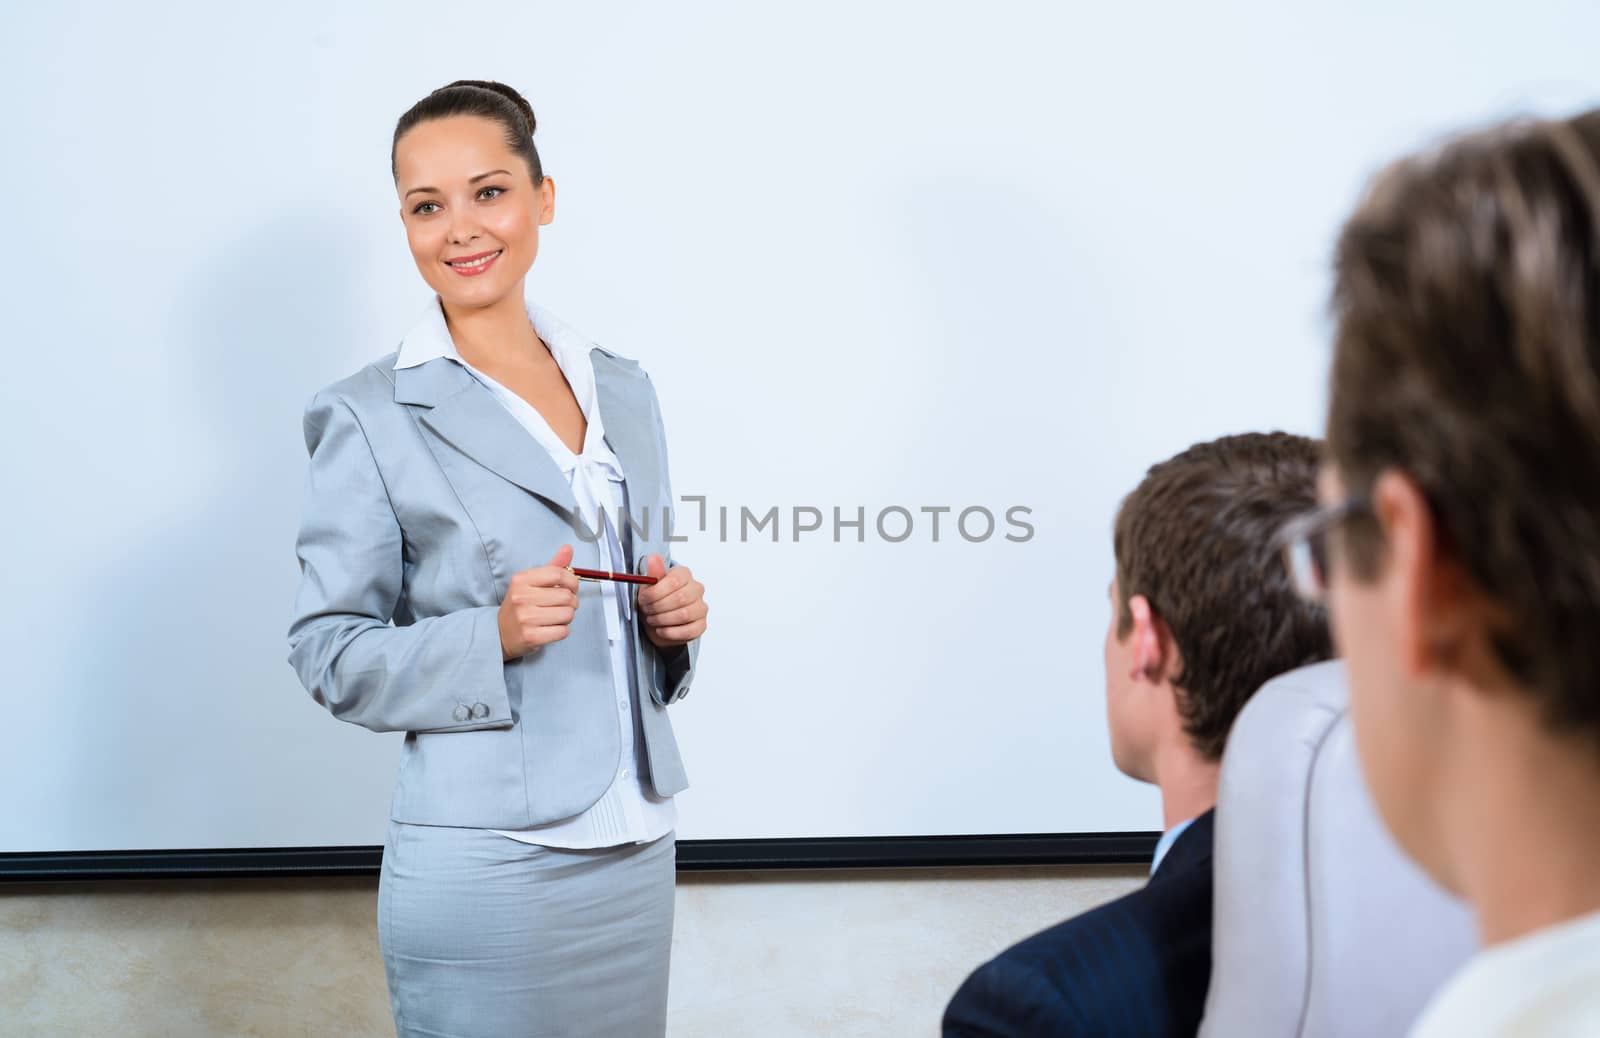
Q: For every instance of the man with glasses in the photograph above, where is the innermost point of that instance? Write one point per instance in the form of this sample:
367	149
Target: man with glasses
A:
1202	615
1459	550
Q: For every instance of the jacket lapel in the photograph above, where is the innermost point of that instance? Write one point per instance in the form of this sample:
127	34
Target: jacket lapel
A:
625	411
468	417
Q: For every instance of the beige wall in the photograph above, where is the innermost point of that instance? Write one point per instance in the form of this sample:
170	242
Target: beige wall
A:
770	954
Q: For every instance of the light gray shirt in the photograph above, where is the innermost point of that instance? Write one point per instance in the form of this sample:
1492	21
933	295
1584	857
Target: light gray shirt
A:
1545	984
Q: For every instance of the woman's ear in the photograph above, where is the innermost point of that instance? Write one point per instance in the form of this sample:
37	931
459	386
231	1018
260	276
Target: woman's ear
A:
547	201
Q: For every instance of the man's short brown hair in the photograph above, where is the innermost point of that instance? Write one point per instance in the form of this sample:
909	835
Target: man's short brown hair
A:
1198	538
1467	356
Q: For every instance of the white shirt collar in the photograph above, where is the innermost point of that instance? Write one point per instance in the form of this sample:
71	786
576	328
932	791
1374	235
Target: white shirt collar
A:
429	339
1164	845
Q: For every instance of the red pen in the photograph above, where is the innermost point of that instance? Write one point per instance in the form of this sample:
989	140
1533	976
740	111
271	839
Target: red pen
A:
600	574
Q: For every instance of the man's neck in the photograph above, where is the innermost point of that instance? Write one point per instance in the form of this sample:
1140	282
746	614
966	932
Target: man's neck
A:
1523	817
1188	783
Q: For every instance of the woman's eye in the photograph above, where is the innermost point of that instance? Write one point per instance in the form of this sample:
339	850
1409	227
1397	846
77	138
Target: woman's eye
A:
498	191
423	210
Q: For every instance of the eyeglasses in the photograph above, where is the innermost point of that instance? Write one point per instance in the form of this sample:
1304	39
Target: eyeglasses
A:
1304	544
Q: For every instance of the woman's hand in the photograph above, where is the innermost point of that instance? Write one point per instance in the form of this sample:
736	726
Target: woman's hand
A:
539	606
674	608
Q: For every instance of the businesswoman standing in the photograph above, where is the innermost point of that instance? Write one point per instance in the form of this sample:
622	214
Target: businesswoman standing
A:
527	883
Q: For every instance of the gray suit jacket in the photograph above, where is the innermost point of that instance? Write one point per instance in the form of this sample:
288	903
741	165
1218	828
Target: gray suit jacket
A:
424	497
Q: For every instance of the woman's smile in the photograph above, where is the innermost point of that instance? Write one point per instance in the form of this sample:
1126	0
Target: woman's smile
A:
472	266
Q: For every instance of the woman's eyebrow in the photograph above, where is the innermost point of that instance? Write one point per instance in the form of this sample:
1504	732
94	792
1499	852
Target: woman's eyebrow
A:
471	180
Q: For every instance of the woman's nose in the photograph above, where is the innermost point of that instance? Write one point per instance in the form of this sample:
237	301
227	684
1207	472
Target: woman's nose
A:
463	231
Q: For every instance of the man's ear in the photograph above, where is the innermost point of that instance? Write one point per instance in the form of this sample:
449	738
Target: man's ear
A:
1151	642
1426	596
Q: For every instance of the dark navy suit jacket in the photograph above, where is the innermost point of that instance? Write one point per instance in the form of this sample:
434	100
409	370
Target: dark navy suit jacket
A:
1137	966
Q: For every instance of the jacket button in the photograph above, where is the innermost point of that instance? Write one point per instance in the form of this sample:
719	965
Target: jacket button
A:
480	710
462	713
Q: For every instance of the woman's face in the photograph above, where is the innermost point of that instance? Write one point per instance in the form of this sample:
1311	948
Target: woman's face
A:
471	210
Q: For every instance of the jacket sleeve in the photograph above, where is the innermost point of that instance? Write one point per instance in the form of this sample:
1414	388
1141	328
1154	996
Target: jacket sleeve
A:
1002	999
439	674
679	662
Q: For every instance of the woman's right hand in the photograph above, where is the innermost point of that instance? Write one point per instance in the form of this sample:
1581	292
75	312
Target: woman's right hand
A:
539	605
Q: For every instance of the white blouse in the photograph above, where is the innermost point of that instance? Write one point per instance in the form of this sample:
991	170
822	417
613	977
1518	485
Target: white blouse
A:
628	812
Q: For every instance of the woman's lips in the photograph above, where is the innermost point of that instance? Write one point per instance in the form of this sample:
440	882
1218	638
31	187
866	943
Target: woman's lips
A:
472	266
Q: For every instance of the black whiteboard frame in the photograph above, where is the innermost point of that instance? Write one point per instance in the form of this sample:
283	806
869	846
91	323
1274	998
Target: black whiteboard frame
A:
825	853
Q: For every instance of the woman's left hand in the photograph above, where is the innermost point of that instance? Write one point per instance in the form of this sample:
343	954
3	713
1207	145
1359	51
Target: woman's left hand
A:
674	607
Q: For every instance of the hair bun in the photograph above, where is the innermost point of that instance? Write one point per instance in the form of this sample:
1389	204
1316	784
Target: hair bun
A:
509	93
484	99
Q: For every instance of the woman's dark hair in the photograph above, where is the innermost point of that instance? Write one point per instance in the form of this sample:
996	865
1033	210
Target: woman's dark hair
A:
485	99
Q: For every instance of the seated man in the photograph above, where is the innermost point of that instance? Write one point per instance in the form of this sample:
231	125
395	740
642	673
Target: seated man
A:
1202	615
1461	544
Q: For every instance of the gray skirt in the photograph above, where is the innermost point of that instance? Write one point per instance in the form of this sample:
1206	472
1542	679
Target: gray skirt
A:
485	936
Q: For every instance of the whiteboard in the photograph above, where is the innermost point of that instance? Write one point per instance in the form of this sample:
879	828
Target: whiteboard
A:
874	256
